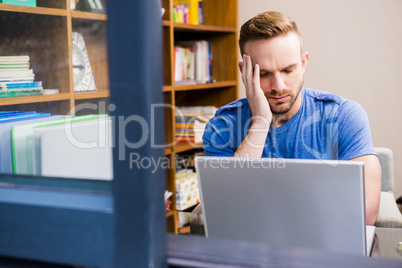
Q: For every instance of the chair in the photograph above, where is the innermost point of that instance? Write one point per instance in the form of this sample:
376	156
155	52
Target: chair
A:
389	214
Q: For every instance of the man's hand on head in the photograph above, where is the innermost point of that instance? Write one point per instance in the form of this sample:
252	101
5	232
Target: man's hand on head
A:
260	110
253	143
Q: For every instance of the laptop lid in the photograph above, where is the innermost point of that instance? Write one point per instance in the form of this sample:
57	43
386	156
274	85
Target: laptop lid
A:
286	202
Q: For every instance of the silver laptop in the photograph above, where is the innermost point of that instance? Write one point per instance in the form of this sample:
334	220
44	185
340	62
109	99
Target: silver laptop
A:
286	202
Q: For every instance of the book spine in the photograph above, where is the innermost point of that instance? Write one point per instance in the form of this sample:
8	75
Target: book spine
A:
190	10
5	86
200	13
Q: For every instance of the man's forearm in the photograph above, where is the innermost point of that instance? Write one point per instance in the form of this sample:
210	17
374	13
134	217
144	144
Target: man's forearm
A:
372	179
253	143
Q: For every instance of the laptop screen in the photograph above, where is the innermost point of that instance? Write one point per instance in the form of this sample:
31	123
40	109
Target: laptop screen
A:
286	202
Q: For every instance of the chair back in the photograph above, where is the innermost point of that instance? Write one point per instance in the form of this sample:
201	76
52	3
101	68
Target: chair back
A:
386	158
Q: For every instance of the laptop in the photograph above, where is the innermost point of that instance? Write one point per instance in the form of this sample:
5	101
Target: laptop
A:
314	204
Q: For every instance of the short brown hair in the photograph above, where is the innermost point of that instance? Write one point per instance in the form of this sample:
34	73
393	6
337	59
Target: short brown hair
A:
267	25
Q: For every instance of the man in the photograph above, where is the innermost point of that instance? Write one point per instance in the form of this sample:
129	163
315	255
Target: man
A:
281	118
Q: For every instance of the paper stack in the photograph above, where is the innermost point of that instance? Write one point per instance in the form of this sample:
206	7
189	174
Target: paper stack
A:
190	122
72	147
16	77
187	191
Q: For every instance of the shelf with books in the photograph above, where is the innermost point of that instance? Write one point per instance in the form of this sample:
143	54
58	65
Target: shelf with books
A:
22	35
43	33
217	86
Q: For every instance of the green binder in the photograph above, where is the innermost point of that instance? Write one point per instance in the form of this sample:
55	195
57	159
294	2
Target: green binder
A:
30	3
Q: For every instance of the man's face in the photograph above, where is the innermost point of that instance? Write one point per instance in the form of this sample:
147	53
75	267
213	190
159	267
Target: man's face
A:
281	71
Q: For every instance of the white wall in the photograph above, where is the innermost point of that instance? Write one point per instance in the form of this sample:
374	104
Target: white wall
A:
355	49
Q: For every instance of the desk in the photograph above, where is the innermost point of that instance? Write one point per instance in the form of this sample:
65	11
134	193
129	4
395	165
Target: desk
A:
386	242
386	238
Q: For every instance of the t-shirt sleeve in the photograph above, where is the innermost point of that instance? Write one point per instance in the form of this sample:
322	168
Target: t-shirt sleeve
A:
218	137
354	132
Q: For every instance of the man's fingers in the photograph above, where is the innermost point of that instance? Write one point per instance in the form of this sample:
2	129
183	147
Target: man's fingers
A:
247	73
256	77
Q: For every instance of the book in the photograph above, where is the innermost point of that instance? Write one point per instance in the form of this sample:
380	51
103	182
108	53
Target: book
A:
13	118
16	78
200	13
190	122
23	58
189	131
193	10
13	66
86	148
31	3
192	62
7	93
187	189
192	111
17	73
19	84
22	144
185	64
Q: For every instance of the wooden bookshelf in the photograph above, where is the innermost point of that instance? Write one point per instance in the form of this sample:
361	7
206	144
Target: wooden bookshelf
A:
220	28
184	146
44	33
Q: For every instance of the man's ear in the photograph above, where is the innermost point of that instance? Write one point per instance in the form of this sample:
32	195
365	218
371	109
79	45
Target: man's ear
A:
305	58
241	66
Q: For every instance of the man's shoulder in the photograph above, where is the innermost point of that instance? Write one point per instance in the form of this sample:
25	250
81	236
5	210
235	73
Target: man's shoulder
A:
233	107
324	96
332	102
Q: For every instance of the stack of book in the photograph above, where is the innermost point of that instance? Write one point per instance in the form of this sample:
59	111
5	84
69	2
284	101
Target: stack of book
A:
190	122
31	144
188	11
16	77
85	142
193	62
187	190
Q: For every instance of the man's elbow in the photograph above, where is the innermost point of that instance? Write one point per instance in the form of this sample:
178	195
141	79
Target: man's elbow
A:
371	217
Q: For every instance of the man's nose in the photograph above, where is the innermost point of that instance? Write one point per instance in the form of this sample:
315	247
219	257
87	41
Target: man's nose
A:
277	82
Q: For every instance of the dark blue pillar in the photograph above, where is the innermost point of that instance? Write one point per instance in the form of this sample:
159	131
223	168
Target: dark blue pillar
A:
135	61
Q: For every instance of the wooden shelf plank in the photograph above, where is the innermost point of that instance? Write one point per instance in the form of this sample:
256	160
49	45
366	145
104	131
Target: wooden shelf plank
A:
168	151
166	23
203	28
33	10
34	99
88	15
170	213
184	146
167	88
205	86
184	229
91	95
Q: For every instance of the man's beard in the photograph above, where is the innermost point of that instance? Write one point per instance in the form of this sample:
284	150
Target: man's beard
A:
286	109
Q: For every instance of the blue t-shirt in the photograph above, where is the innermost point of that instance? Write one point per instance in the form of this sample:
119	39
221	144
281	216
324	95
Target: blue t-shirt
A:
326	126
